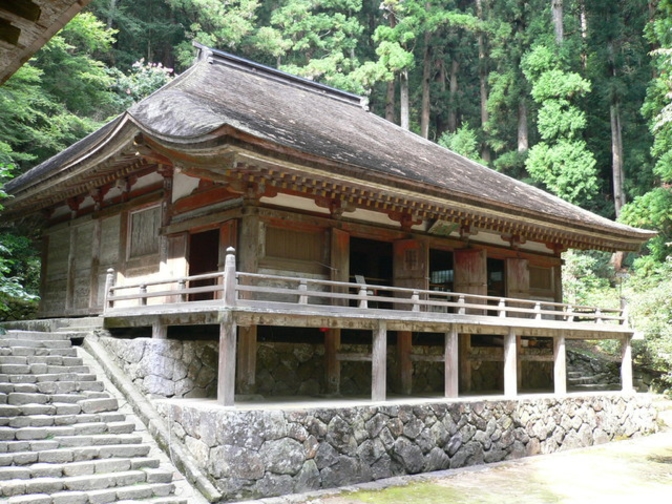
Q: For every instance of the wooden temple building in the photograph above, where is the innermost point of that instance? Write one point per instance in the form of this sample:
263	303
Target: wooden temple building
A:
267	205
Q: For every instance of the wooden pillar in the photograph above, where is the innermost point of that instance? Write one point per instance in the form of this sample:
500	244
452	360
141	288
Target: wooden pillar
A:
626	364
451	364
559	365
248	256
159	330
510	364
339	272
519	362
332	342
379	362
404	346
465	362
226	378
94	287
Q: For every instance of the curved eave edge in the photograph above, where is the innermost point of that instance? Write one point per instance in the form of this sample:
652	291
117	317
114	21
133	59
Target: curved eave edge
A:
33	186
617	238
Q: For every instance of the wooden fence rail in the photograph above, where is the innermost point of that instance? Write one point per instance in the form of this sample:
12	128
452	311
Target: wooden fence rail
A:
253	290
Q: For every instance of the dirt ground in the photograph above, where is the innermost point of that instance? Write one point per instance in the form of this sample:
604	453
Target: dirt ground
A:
632	471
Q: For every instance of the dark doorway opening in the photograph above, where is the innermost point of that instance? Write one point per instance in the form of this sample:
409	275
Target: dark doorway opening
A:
372	260
203	258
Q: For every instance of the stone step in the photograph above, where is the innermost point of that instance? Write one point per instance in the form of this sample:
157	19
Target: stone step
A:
18	351
50	411
596	387
54	387
41	369
35	378
83	483
116	425
26	438
36	335
88	401
78	468
36	343
26	428
47	452
51	360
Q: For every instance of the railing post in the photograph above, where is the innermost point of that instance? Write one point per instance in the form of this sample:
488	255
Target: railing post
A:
461	310
230	277
537	310
362	297
303	287
570	313
598	316
624	312
143	295
502	307
415	297
109	285
182	285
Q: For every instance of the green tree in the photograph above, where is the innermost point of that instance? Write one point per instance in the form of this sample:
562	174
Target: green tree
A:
18	265
316	39
653	209
561	161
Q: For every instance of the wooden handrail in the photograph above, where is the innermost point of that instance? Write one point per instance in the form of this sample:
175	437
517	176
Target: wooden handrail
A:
244	289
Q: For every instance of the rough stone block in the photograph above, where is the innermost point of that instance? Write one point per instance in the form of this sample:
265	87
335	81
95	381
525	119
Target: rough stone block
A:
20	399
158	475
59	456
99	405
44	485
70	498
9	473
112	465
30	499
102	496
79	468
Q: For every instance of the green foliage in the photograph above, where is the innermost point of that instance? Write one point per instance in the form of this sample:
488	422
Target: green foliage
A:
652	210
561	161
650	301
223	25
17	265
464	141
587	279
141	81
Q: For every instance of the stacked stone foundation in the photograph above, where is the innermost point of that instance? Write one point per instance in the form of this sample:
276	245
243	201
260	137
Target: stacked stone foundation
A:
257	453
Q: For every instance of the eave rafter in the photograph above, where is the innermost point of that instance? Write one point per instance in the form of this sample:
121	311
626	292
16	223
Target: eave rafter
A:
329	193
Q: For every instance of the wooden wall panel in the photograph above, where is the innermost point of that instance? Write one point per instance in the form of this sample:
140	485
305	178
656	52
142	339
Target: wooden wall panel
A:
56	274
517	278
81	273
470	271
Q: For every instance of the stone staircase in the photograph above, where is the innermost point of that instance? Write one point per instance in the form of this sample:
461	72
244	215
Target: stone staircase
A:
578	381
63	439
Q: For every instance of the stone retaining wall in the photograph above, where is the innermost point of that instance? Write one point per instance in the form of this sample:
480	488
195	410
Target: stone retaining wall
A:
262	453
167	368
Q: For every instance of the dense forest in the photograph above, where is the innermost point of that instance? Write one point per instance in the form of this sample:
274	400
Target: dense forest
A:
573	96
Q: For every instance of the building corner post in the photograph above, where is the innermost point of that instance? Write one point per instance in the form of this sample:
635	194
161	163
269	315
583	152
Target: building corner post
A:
626	364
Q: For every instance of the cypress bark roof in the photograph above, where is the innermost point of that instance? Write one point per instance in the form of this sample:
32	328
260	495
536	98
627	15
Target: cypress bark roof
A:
224	102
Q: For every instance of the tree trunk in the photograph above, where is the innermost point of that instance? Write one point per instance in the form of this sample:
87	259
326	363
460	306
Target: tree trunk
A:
389	101
404	105
483	77
556	18
426	75
523	138
454	88
111	13
617	158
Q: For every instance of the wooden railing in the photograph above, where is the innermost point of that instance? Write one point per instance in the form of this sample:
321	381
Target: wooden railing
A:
259	291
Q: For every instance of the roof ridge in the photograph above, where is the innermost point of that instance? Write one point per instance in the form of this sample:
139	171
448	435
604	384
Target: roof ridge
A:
216	56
